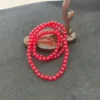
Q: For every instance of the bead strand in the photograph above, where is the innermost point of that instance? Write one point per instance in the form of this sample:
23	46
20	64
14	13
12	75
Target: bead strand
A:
36	34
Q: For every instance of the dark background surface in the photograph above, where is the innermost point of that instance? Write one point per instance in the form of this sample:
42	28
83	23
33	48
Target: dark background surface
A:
82	79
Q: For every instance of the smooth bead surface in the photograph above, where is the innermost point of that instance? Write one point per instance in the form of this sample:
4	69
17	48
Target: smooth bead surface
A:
44	58
29	58
38	74
48	58
42	76
46	77
57	75
60	72
54	78
64	65
28	51
29	47
32	65
66	54
50	78
63	69
36	71
34	68
30	61
64	61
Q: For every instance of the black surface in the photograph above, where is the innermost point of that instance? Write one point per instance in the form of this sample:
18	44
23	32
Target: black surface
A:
82	79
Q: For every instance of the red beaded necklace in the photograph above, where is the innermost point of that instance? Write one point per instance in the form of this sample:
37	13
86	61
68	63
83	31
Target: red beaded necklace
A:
61	39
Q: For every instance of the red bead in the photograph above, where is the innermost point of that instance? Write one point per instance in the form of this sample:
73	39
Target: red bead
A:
63	69
42	76
51	56
65	36
28	51
42	26
50	78
65	61
38	74
62	49
56	51
64	32
34	68
58	24
60	72
59	40
34	50
30	61
30	40
57	75
66	54
44	58
30	37
64	65
56	27
61	25
34	33
46	77
66	50
57	47
34	53
53	25
34	47
37	30
48	58
29	58
58	54
32	65
64	39
36	71
34	43
45	24
29	47
55	57
37	56
64	29
58	44
40	58
54	78
61	37
29	43
30	34
66	57
65	46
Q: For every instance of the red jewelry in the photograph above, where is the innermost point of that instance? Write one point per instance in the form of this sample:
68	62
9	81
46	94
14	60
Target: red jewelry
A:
33	38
